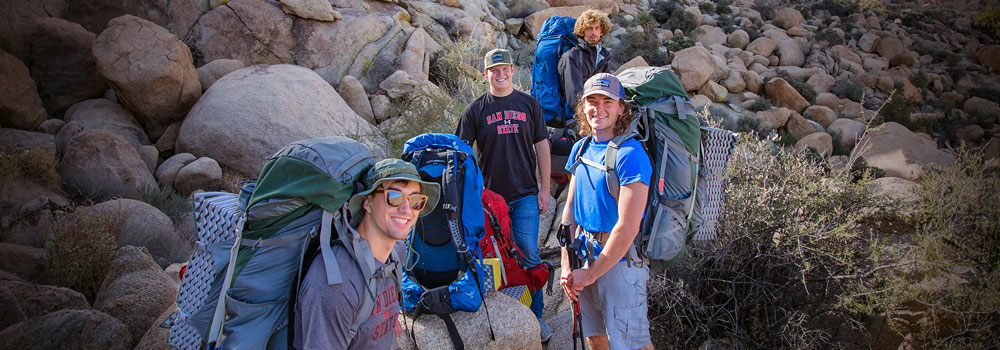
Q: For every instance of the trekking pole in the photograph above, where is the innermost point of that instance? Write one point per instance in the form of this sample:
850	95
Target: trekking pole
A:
572	246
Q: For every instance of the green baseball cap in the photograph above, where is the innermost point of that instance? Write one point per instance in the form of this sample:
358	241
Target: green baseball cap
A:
497	57
392	169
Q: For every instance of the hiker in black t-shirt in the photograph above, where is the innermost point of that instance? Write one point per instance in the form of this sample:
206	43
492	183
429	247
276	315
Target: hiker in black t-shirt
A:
508	127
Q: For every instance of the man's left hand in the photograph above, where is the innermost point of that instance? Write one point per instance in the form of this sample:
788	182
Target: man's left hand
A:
543	202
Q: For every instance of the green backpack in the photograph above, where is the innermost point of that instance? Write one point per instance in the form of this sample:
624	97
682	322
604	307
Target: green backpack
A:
688	160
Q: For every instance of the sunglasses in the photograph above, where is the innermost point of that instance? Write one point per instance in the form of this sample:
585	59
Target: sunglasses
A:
394	198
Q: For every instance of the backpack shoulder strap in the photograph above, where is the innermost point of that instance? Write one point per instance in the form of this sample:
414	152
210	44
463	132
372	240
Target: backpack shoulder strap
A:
578	158
611	164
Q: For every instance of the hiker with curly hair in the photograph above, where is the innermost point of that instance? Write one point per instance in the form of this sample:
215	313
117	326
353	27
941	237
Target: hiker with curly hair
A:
383	214
611	289
588	57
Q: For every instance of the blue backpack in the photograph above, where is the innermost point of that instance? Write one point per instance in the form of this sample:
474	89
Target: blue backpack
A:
443	267
555	38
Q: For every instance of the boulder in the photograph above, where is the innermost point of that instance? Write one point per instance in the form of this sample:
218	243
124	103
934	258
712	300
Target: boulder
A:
155	337
51	126
65	133
213	71
713	91
165	144
136	298
798	32
17	23
820	114
762	46
319	10
99	164
978	106
201	174
20	106
150	70
798	127
95	15
754	82
734	81
845	53
788	17
27	262
232	31
710	35
989	56
101	114
10	311
991	150
354	95
889	47
414	60
513	323
62	64
790	53
34	300
13	140
970	133
167	171
738	39
608	6
821	142
868	42
821	82
522	9
773	118
637	61
251	113
380	107
535	21
68	329
140	224
901	152
784	95
694	66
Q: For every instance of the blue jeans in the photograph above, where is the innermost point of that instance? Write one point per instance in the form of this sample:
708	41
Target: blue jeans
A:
524	216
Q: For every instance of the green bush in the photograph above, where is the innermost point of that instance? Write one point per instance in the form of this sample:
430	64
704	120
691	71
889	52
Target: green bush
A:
790	232
849	88
830	36
921	80
34	164
804	89
645	44
683	20
988	21
760	105
706	8
924	50
987	92
951	270
680	43
898	109
168	201
81	246
662	11
767	8
837	8
722	7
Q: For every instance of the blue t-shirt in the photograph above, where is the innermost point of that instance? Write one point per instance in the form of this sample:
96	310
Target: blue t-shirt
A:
593	206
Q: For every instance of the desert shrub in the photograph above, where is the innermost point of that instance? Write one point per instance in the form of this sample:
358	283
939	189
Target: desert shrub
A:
898	109
766	8
722	7
458	70
951	270
680	43
760	105
988	21
728	23
683	20
645	44
424	113
663	10
834	8
849	88
790	233
925	50
804	89
751	126
987	92
33	164
753	32
957	71
830	36
81	247
168	201
706	8
921	79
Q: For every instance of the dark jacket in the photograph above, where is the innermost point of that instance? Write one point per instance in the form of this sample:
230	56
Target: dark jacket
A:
577	65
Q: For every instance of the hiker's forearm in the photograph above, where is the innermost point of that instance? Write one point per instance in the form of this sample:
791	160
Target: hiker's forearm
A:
631	202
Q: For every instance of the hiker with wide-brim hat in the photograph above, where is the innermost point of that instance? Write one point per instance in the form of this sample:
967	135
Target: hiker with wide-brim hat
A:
383	214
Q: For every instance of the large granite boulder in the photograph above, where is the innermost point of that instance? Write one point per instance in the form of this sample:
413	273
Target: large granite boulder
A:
201	174
251	113
109	116
901	152
33	300
136	293
319	10
17	23
62	64
155	337
710	35
354	94
783	94
68	329
99	164
513	324
20	106
762	46
26	262
989	56
535	21
213	71
847	132
150	70
788	17
820	142
140	224
694	66
790	53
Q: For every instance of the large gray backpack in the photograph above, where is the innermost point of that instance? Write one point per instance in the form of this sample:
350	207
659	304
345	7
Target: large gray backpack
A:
238	291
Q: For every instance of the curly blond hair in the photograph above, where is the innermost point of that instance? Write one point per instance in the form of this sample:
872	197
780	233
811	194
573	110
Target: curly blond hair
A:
592	16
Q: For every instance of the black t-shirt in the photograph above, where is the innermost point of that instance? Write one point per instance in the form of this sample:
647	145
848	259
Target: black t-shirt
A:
506	130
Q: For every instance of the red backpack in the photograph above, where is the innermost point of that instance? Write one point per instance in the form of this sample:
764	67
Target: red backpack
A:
497	244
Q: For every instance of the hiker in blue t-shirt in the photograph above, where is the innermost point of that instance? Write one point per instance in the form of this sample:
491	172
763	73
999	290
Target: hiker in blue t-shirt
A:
611	290
509	129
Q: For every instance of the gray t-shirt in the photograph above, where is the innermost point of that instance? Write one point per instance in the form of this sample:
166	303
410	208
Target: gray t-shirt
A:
324	313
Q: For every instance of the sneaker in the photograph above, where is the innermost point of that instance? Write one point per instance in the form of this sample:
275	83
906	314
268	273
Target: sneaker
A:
546	331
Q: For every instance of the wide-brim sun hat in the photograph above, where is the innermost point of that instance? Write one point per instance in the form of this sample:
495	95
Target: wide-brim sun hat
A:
392	169
603	84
